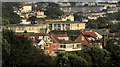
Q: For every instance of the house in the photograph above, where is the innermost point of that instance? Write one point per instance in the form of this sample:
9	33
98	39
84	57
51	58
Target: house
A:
65	25
64	4
26	8
40	14
101	33
64	43
93	17
37	38
86	38
84	9
65	17
38	28
54	43
24	21
43	40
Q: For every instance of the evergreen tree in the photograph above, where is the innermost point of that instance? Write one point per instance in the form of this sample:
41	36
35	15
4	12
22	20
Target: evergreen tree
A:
8	15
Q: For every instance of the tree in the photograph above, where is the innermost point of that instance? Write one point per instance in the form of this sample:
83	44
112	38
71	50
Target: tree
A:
53	11
70	60
115	52
5	21
78	16
99	57
8	14
25	31
19	51
32	19
94	56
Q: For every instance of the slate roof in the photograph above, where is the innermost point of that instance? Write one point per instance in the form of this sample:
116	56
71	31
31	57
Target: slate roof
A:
100	31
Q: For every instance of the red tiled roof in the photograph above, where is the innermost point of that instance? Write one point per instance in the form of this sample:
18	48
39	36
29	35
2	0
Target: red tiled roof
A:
56	40
90	33
34	35
86	41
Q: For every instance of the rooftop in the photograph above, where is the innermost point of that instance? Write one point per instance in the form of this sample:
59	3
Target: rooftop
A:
57	40
22	25
65	22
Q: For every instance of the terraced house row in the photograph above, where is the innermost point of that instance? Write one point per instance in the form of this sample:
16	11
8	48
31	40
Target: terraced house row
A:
47	27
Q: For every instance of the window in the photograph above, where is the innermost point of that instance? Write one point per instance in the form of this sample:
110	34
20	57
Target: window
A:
29	28
47	51
18	28
22	28
83	38
64	46
69	46
78	45
47	45
54	46
60	46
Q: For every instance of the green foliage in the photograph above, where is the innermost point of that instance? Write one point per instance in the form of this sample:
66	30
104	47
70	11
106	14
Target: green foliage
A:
70	60
105	22
5	21
115	52
98	56
8	15
78	17
25	31
53	11
19	50
32	19
90	56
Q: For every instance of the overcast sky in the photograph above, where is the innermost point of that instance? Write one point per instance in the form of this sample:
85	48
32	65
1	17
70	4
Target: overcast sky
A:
56	0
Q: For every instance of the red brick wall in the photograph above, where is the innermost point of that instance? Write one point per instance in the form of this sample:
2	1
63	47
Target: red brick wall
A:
51	47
